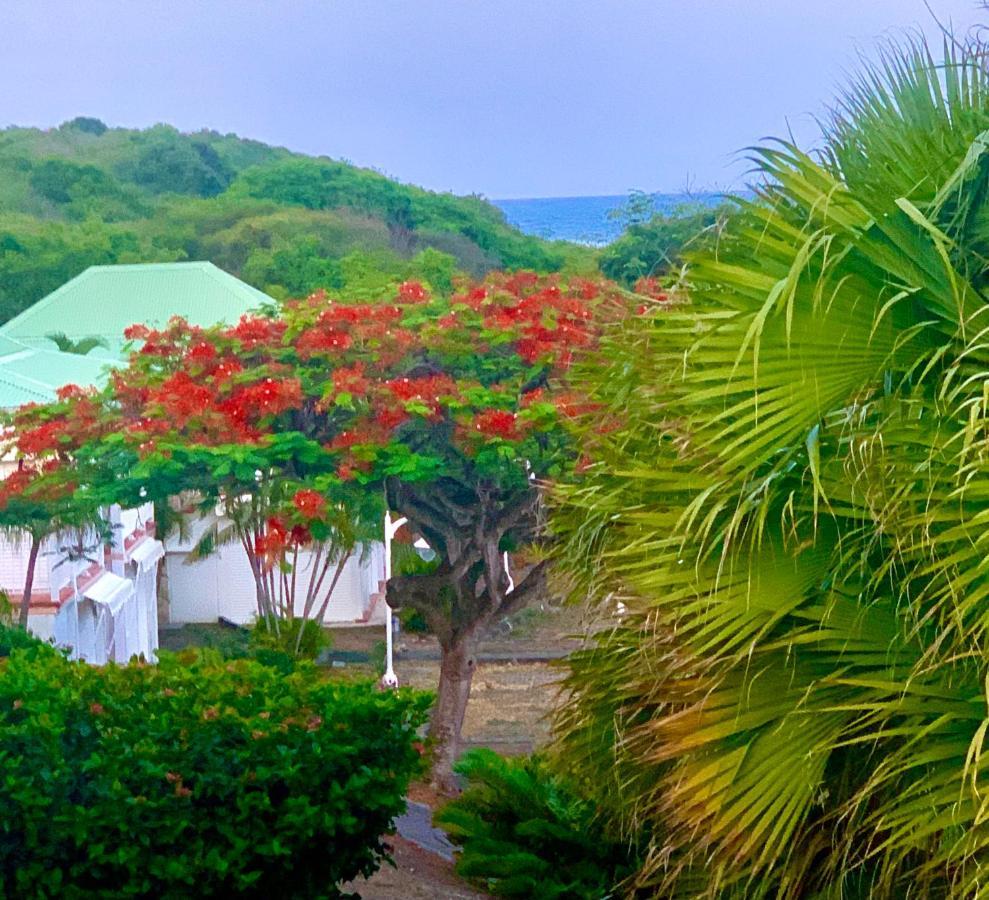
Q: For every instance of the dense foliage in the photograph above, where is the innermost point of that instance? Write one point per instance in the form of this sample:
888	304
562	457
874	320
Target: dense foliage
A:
525	832
793	515
84	194
654	245
195	777
301	424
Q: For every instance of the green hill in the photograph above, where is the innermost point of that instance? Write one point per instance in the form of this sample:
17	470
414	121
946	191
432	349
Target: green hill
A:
84	194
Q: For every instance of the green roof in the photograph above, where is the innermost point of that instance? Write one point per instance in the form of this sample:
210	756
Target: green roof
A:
101	303
31	375
104	300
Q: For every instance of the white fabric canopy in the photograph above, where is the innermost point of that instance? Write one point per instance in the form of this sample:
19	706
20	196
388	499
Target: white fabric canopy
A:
110	591
147	553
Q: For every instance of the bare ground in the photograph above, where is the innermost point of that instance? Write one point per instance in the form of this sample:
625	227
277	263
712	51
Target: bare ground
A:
416	875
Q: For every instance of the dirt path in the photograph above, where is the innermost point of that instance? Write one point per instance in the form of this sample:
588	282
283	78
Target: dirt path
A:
417	875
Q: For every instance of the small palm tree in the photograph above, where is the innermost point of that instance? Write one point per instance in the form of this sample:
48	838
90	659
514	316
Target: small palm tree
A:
795	516
80	347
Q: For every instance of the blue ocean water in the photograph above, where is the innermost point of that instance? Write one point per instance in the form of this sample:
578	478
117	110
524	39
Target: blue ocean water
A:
587	220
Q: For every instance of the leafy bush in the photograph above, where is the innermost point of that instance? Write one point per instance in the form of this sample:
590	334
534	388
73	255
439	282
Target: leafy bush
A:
12	639
197	777
654	246
526	833
86	124
282	636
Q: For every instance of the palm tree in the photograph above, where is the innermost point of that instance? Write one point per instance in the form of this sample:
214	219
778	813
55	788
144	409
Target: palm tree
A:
795	516
80	347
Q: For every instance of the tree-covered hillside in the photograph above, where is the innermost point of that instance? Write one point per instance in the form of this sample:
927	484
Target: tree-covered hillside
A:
85	194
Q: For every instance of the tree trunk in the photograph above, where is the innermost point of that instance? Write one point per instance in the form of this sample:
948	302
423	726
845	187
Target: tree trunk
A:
32	561
457	664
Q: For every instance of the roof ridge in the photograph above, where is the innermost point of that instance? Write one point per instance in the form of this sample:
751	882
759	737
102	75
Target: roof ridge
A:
101	301
171	264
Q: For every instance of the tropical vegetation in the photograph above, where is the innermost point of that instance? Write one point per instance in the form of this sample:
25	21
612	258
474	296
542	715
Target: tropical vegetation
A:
525	831
302	425
792	517
653	242
195	777
84	194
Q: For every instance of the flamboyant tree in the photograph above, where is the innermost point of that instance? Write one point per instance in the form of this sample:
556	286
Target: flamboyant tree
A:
35	508
452	410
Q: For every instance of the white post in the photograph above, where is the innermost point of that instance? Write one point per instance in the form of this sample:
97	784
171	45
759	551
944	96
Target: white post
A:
389	679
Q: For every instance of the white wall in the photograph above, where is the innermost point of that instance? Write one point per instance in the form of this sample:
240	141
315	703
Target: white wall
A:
223	585
14	551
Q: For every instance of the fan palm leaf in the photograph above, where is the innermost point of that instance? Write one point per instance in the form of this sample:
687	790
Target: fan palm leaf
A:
794	514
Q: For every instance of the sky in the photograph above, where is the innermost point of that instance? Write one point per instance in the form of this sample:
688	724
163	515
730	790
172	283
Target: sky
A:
505	98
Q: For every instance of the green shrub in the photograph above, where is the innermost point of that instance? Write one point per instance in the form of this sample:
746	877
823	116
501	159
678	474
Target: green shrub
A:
14	638
282	636
197	777
655	246
526	833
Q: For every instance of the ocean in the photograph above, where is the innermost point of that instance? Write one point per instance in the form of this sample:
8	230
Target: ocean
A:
586	220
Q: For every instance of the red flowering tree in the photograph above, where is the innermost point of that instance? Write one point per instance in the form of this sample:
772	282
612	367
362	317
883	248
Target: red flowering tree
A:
453	409
39	499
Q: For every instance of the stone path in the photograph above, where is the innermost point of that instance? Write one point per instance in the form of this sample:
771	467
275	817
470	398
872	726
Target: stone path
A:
416	826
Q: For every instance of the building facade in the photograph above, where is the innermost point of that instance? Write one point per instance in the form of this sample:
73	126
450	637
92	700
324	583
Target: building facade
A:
89	608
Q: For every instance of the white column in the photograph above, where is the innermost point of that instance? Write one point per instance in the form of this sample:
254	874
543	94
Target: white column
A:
389	679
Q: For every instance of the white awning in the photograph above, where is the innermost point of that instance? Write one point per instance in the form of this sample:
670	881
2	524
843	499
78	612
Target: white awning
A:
111	591
147	553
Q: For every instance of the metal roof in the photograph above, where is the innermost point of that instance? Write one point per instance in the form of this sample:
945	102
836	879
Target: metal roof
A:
31	375
102	301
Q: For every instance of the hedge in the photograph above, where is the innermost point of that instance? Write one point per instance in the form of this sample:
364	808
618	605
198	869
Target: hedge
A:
196	777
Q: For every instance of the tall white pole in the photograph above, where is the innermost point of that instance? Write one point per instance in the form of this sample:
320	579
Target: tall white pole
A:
389	679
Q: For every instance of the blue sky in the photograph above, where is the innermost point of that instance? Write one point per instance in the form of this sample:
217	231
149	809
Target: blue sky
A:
509	98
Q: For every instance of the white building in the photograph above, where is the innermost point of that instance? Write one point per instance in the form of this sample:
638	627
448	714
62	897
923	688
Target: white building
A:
100	303
222	585
100	603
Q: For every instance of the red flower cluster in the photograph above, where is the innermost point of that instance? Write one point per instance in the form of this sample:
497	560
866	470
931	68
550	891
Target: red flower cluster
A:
653	288
321	340
267	397
181	398
310	504
277	539
15	484
257	331
412	292
201	352
497	423
42	439
350	380
429	389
